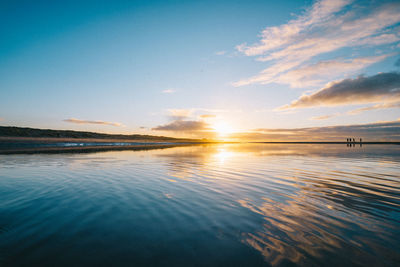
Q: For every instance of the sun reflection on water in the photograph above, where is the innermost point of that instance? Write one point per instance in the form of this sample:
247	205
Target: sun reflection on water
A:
223	154
278	204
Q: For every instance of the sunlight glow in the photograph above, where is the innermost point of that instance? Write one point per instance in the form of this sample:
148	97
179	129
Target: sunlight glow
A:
223	155
222	128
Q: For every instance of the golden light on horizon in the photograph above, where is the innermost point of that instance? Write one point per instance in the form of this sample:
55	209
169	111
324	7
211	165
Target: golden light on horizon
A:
222	128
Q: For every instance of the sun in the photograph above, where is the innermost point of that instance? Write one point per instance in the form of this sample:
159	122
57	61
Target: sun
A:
222	128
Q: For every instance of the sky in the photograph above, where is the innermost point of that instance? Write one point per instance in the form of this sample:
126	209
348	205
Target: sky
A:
248	70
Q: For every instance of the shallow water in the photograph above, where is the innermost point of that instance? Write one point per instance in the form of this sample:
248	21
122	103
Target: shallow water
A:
211	205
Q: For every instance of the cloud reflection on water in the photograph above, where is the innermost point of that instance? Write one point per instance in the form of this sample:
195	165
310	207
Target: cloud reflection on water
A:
318	203
281	204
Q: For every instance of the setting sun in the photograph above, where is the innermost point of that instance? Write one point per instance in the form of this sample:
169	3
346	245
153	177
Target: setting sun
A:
222	128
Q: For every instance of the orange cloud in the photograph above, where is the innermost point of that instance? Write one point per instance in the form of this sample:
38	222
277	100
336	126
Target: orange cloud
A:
205	116
324	117
374	107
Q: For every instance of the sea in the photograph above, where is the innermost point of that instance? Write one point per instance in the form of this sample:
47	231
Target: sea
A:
246	204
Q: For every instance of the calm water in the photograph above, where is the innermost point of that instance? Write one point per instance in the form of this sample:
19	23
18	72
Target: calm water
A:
215	205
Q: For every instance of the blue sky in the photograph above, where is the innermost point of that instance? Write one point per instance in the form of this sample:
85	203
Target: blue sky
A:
158	67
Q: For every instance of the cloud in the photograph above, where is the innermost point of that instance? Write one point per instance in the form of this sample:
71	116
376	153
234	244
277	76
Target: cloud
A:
275	37
192	113
326	27
375	107
382	87
220	53
183	126
179	114
77	121
315	74
205	116
190	121
324	117
369	132
169	91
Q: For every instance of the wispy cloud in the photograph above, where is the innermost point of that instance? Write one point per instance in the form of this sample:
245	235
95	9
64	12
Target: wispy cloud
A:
192	113
183	126
78	121
326	27
324	117
169	91
206	116
375	107
316	74
179	114
380	88
276	37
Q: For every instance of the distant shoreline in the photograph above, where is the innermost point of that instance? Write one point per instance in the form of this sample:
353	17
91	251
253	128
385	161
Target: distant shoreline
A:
12	145
30	140
67	145
88	149
12	132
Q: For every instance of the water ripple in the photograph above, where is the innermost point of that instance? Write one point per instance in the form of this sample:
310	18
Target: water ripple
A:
235	205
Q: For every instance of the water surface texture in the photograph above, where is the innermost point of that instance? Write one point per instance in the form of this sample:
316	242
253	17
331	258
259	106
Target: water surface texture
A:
210	205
